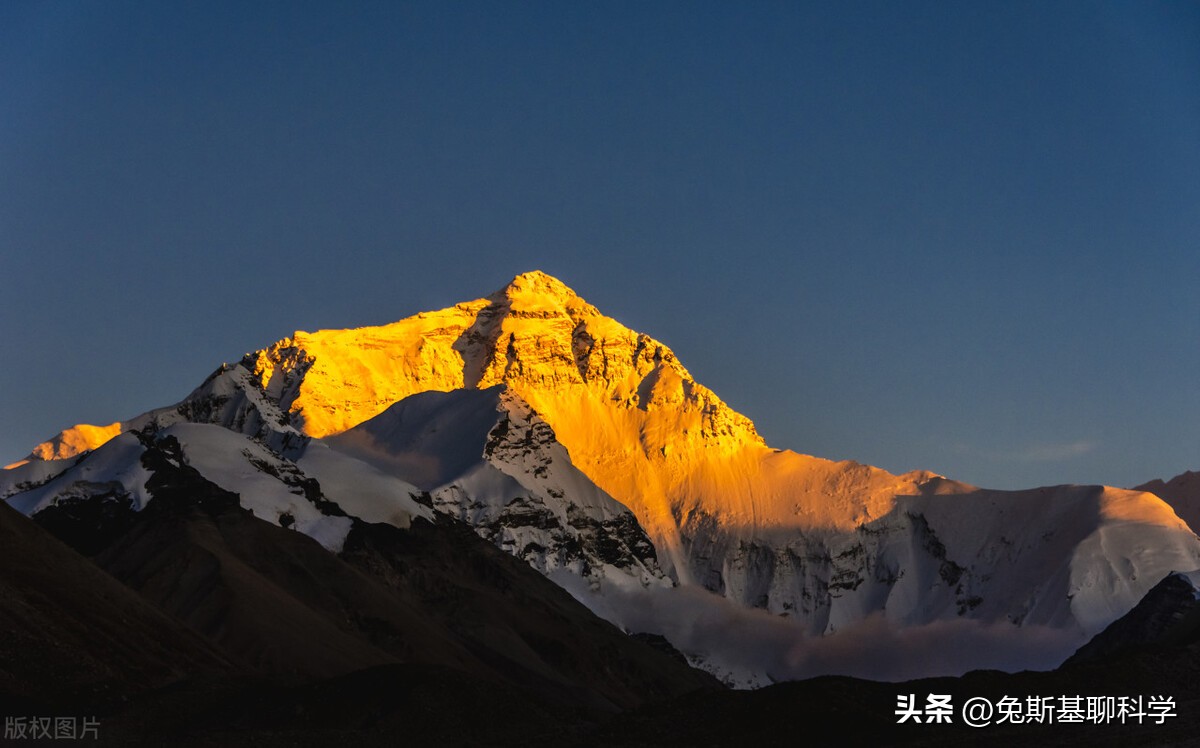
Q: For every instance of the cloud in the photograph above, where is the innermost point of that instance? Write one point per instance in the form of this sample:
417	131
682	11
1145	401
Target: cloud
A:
1055	452
739	640
879	649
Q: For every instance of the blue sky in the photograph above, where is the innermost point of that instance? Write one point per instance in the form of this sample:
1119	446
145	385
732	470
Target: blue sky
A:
956	236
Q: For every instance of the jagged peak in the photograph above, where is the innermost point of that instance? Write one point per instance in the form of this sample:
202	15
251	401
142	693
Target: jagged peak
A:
539	294
539	283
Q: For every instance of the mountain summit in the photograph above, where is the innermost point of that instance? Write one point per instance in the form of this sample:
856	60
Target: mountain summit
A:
630	414
534	334
620	401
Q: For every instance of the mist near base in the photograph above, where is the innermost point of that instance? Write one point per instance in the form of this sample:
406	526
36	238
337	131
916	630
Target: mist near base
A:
757	647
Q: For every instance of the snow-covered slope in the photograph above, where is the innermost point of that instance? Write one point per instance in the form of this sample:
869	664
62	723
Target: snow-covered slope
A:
119	473
488	460
1065	557
1183	494
596	411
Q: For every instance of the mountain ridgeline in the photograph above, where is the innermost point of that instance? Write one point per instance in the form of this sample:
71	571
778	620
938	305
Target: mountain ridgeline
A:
587	450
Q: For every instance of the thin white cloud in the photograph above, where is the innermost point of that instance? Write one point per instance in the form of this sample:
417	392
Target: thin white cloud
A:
1041	452
755	641
1055	452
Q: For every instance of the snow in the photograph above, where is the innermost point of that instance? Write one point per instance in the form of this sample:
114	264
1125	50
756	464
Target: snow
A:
224	457
114	467
360	489
230	397
1183	494
228	459
429	439
28	474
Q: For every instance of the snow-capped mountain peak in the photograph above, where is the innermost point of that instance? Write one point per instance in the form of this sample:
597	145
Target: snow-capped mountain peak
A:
539	420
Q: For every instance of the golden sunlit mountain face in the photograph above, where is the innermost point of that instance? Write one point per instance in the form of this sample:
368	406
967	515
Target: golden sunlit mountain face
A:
629	412
632	417
535	335
76	440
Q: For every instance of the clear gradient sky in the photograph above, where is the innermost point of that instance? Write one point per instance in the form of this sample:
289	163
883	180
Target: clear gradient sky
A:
956	236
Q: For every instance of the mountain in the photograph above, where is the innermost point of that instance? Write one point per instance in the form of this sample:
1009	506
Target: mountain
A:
1182	492
588	450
